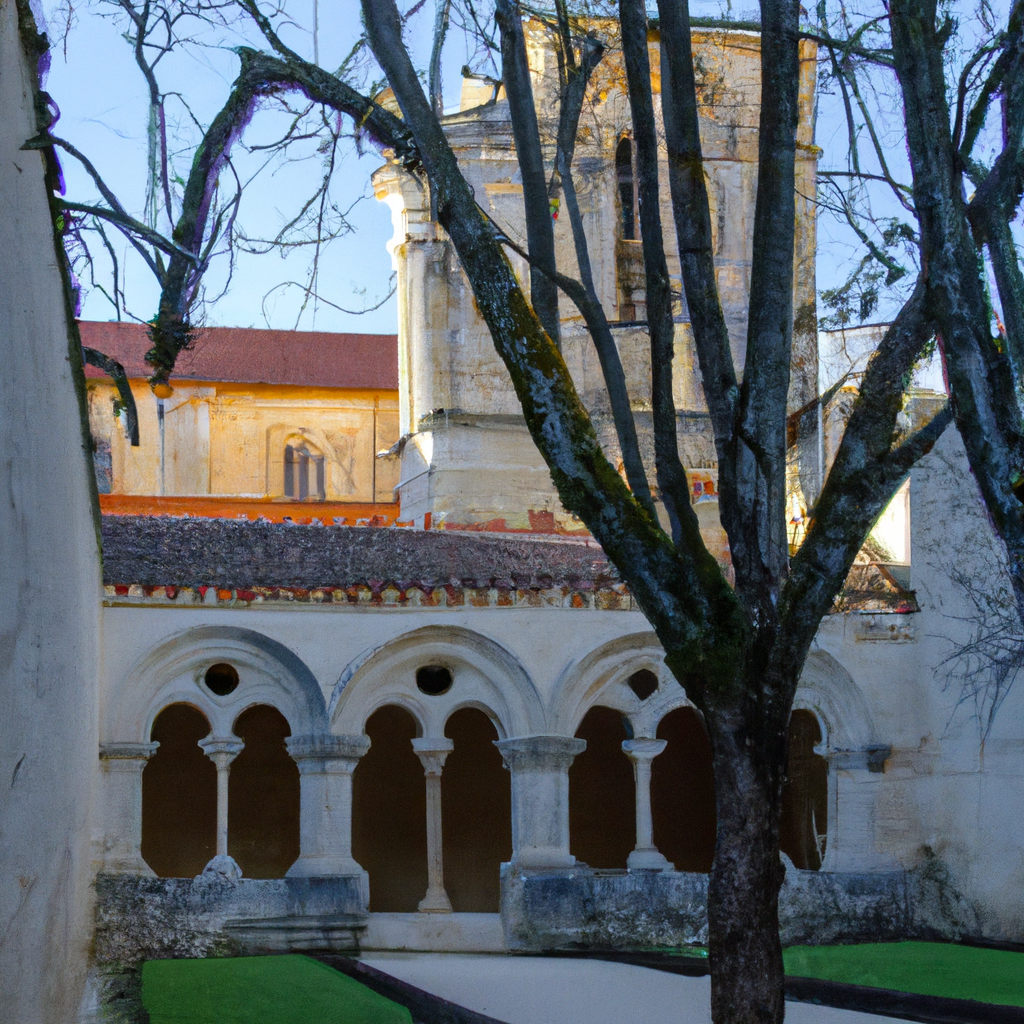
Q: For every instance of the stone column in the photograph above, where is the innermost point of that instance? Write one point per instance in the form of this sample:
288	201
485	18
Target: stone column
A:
122	765
432	752
645	857
326	764
540	798
222	751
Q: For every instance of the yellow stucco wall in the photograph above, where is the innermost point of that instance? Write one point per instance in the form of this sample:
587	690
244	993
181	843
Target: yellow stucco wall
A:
229	439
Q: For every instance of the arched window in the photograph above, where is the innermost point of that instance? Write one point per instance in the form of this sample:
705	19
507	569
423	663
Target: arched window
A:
477	814
804	821
179	796
303	471
263	796
683	793
602	794
389	813
627	191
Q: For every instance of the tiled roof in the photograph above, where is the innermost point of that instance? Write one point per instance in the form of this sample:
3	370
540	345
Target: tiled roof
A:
249	356
197	552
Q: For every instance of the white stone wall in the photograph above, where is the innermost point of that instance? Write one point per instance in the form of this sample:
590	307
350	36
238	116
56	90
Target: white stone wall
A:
49	591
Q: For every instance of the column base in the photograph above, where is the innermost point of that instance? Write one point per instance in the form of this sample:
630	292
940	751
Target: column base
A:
541	858
648	860
435	902
317	867
224	868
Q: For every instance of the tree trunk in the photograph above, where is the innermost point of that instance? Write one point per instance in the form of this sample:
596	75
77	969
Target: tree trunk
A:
747	979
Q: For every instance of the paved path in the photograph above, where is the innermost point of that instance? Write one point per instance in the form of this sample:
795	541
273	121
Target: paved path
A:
553	990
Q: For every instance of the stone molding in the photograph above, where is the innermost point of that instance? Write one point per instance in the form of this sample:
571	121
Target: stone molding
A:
127	751
871	758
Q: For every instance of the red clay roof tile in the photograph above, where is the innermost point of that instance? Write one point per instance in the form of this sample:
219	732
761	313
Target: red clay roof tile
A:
250	356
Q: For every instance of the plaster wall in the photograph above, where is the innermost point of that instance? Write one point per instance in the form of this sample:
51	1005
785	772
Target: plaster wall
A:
229	439
951	786
50	585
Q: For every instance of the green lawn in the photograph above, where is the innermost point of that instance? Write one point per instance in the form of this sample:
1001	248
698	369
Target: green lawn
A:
260	990
927	968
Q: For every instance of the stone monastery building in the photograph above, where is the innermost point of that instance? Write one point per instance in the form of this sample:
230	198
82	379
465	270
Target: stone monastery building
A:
365	683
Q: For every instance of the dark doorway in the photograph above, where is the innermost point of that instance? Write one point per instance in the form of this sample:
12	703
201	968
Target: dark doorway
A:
179	796
389	813
263	796
683	793
804	822
476	812
602	793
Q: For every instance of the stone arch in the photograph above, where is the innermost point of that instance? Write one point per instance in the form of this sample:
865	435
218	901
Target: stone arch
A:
602	677
172	673
485	676
828	691
848	734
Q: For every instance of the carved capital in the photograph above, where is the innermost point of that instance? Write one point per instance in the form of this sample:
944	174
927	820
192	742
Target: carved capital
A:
641	750
540	753
221	751
432	752
327	753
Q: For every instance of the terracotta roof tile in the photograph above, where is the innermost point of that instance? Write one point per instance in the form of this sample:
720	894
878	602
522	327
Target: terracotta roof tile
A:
250	356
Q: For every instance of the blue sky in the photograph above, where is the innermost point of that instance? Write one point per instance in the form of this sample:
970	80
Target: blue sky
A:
103	110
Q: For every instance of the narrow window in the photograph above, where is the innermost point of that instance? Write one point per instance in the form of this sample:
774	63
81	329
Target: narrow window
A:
304	472
624	176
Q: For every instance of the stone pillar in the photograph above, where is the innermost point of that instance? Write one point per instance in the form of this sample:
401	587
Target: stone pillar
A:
432	752
856	784
122	765
222	751
645	857
326	764
540	798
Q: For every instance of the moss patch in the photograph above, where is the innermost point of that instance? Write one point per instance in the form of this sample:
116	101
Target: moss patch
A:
925	968
260	990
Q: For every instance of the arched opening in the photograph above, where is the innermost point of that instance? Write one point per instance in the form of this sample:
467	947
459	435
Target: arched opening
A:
476	811
627	191
263	796
389	813
304	471
683	793
179	796
602	793
803	825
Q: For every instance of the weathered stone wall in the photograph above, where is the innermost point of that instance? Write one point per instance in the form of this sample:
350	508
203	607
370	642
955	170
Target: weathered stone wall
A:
139	919
584	909
49	580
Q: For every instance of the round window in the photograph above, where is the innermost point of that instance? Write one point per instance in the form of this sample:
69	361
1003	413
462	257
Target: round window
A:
221	678
434	680
643	683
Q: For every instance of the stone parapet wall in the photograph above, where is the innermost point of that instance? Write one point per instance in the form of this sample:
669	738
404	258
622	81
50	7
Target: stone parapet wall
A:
585	909
141	919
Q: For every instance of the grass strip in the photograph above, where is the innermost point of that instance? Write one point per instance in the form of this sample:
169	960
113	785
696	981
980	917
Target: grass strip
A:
925	968
288	989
